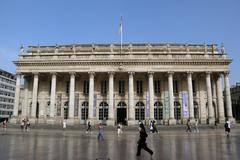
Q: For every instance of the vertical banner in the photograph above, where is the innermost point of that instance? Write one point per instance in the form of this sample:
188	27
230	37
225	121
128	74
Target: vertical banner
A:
94	105
148	106
185	104
59	104
166	107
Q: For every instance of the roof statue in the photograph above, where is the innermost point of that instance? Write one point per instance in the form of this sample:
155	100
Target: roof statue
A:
222	49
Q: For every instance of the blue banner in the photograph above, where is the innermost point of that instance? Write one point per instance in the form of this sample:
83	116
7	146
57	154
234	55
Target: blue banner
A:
94	105
148	106
185	105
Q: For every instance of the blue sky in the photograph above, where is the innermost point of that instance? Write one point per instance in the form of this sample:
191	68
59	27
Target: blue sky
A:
50	22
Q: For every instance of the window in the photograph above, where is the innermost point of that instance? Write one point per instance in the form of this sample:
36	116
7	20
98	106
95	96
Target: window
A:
103	87
139	87
158	111
121	104
177	110
194	87
84	110
85	87
157	89
196	112
103	111
121	87
140	111
67	87
175	86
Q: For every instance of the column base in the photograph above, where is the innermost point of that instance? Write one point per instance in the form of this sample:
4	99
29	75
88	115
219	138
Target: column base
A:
172	121
33	120
73	121
132	122
93	121
184	121
232	120
165	121
211	120
192	120
51	121
111	122
203	121
14	120
41	120
221	120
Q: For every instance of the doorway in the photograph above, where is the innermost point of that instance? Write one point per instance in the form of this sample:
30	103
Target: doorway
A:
122	116
65	113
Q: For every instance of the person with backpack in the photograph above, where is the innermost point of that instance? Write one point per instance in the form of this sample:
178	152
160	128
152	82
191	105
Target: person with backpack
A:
142	141
227	127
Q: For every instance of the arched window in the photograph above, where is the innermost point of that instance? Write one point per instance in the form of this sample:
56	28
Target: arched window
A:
84	110
158	110
103	111
122	104
177	110
196	110
140	111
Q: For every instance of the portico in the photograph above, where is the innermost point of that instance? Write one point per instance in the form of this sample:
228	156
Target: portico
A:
169	83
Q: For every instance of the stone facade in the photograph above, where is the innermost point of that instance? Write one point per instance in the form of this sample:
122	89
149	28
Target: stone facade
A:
170	83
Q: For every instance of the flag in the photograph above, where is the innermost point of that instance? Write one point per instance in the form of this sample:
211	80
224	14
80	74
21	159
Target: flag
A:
120	26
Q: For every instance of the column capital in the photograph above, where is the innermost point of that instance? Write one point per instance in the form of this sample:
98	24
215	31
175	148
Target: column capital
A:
131	73
189	72
111	73
72	73
226	73
150	73
18	74
35	73
208	72
53	73
170	72
91	73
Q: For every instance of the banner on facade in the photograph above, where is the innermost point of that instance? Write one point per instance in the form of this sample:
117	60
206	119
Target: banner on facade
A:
94	105
185	104
148	106
166	107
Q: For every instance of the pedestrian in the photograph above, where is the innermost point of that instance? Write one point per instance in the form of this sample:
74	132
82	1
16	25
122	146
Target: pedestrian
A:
119	128
196	126
64	124
151	127
227	127
4	125
142	141
23	125
154	127
100	131
89	127
27	125
188	126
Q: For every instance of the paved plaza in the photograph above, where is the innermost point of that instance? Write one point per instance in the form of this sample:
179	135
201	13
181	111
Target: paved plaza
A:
47	144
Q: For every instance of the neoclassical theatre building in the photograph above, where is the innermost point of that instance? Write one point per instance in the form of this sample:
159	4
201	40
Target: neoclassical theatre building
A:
109	83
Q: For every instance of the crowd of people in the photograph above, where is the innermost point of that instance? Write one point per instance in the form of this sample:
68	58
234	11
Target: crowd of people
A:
25	125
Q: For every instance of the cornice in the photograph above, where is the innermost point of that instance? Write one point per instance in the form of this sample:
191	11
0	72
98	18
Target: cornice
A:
124	62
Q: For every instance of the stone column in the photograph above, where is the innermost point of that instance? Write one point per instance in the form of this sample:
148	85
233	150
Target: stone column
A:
25	101
151	94
17	95
53	95
71	95
131	108
172	120
228	97
211	119
221	118
91	96
110	100
214	93
190	96
34	96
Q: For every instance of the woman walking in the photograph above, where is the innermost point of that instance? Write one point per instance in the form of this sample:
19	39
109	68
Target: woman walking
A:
142	141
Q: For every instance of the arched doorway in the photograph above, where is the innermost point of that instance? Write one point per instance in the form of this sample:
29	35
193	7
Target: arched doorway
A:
140	111
84	110
103	112
37	110
65	113
177	112
158	110
122	113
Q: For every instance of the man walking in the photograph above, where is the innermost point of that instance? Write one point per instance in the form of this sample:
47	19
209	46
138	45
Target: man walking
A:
142	141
